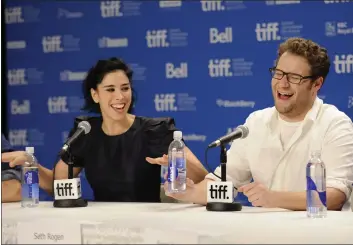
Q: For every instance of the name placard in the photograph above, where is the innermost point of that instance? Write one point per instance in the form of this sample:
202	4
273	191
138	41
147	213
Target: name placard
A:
49	232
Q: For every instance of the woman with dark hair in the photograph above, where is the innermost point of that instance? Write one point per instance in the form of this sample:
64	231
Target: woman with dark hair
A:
123	152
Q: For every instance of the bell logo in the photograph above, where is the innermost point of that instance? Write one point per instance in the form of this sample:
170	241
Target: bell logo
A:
267	31
172	71
18	108
219	68
343	63
157	38
217	36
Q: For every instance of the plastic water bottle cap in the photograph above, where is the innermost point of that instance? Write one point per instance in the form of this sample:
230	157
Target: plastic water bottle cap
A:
316	153
30	150
177	135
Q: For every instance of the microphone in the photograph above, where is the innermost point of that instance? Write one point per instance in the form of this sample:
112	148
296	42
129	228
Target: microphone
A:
83	128
67	192
220	194
240	132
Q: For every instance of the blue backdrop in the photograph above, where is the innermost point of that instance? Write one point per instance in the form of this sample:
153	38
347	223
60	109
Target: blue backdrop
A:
205	63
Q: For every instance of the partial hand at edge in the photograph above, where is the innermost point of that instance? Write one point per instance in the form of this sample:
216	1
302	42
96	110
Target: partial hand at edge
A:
15	158
163	161
182	196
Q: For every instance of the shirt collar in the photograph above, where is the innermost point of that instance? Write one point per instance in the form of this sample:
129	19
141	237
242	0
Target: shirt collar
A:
310	117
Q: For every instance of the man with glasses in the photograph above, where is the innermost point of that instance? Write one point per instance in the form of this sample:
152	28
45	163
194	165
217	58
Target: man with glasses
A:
281	138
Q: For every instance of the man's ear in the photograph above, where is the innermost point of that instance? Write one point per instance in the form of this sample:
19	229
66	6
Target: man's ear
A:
318	83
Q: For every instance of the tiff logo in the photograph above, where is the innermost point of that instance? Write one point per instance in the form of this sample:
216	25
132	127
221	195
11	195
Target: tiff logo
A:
343	63
13	15
218	191
18	137
64	189
52	44
172	71
219	68
16	77
57	104
111	9
157	38
165	102
267	31
209	6
217	36
18	108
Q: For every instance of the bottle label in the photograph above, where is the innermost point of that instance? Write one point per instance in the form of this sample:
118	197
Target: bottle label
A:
176	170
31	177
311	186
30	186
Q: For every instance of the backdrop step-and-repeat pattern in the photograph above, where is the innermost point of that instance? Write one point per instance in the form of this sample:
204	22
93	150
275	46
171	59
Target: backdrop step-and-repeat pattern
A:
205	63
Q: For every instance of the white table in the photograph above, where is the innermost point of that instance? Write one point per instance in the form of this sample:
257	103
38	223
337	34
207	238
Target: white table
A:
183	223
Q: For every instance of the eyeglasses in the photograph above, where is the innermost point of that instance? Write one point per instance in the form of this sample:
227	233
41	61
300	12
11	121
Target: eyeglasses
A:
291	77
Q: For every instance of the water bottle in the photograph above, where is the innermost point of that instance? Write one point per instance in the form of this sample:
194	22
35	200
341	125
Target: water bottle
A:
316	205
30	181
176	164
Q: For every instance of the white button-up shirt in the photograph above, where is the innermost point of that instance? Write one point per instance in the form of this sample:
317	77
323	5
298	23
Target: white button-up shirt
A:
262	157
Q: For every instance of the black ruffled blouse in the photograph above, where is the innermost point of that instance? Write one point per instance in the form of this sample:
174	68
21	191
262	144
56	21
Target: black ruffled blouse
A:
115	166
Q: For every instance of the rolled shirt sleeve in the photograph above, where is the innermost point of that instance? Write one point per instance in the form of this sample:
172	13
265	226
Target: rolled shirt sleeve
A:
337	154
10	174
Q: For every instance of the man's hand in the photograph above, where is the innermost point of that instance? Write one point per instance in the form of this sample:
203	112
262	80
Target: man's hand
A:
163	161
15	158
258	195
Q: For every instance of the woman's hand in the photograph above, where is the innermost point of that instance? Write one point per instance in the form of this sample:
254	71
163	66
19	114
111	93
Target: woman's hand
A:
16	158
163	161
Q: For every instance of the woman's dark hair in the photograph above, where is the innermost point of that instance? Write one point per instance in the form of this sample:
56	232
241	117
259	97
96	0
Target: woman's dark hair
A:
95	76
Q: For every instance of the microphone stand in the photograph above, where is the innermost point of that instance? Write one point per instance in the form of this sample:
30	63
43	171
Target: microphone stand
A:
221	206
70	203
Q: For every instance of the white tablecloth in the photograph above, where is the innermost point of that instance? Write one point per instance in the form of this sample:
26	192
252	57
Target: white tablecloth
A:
173	223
